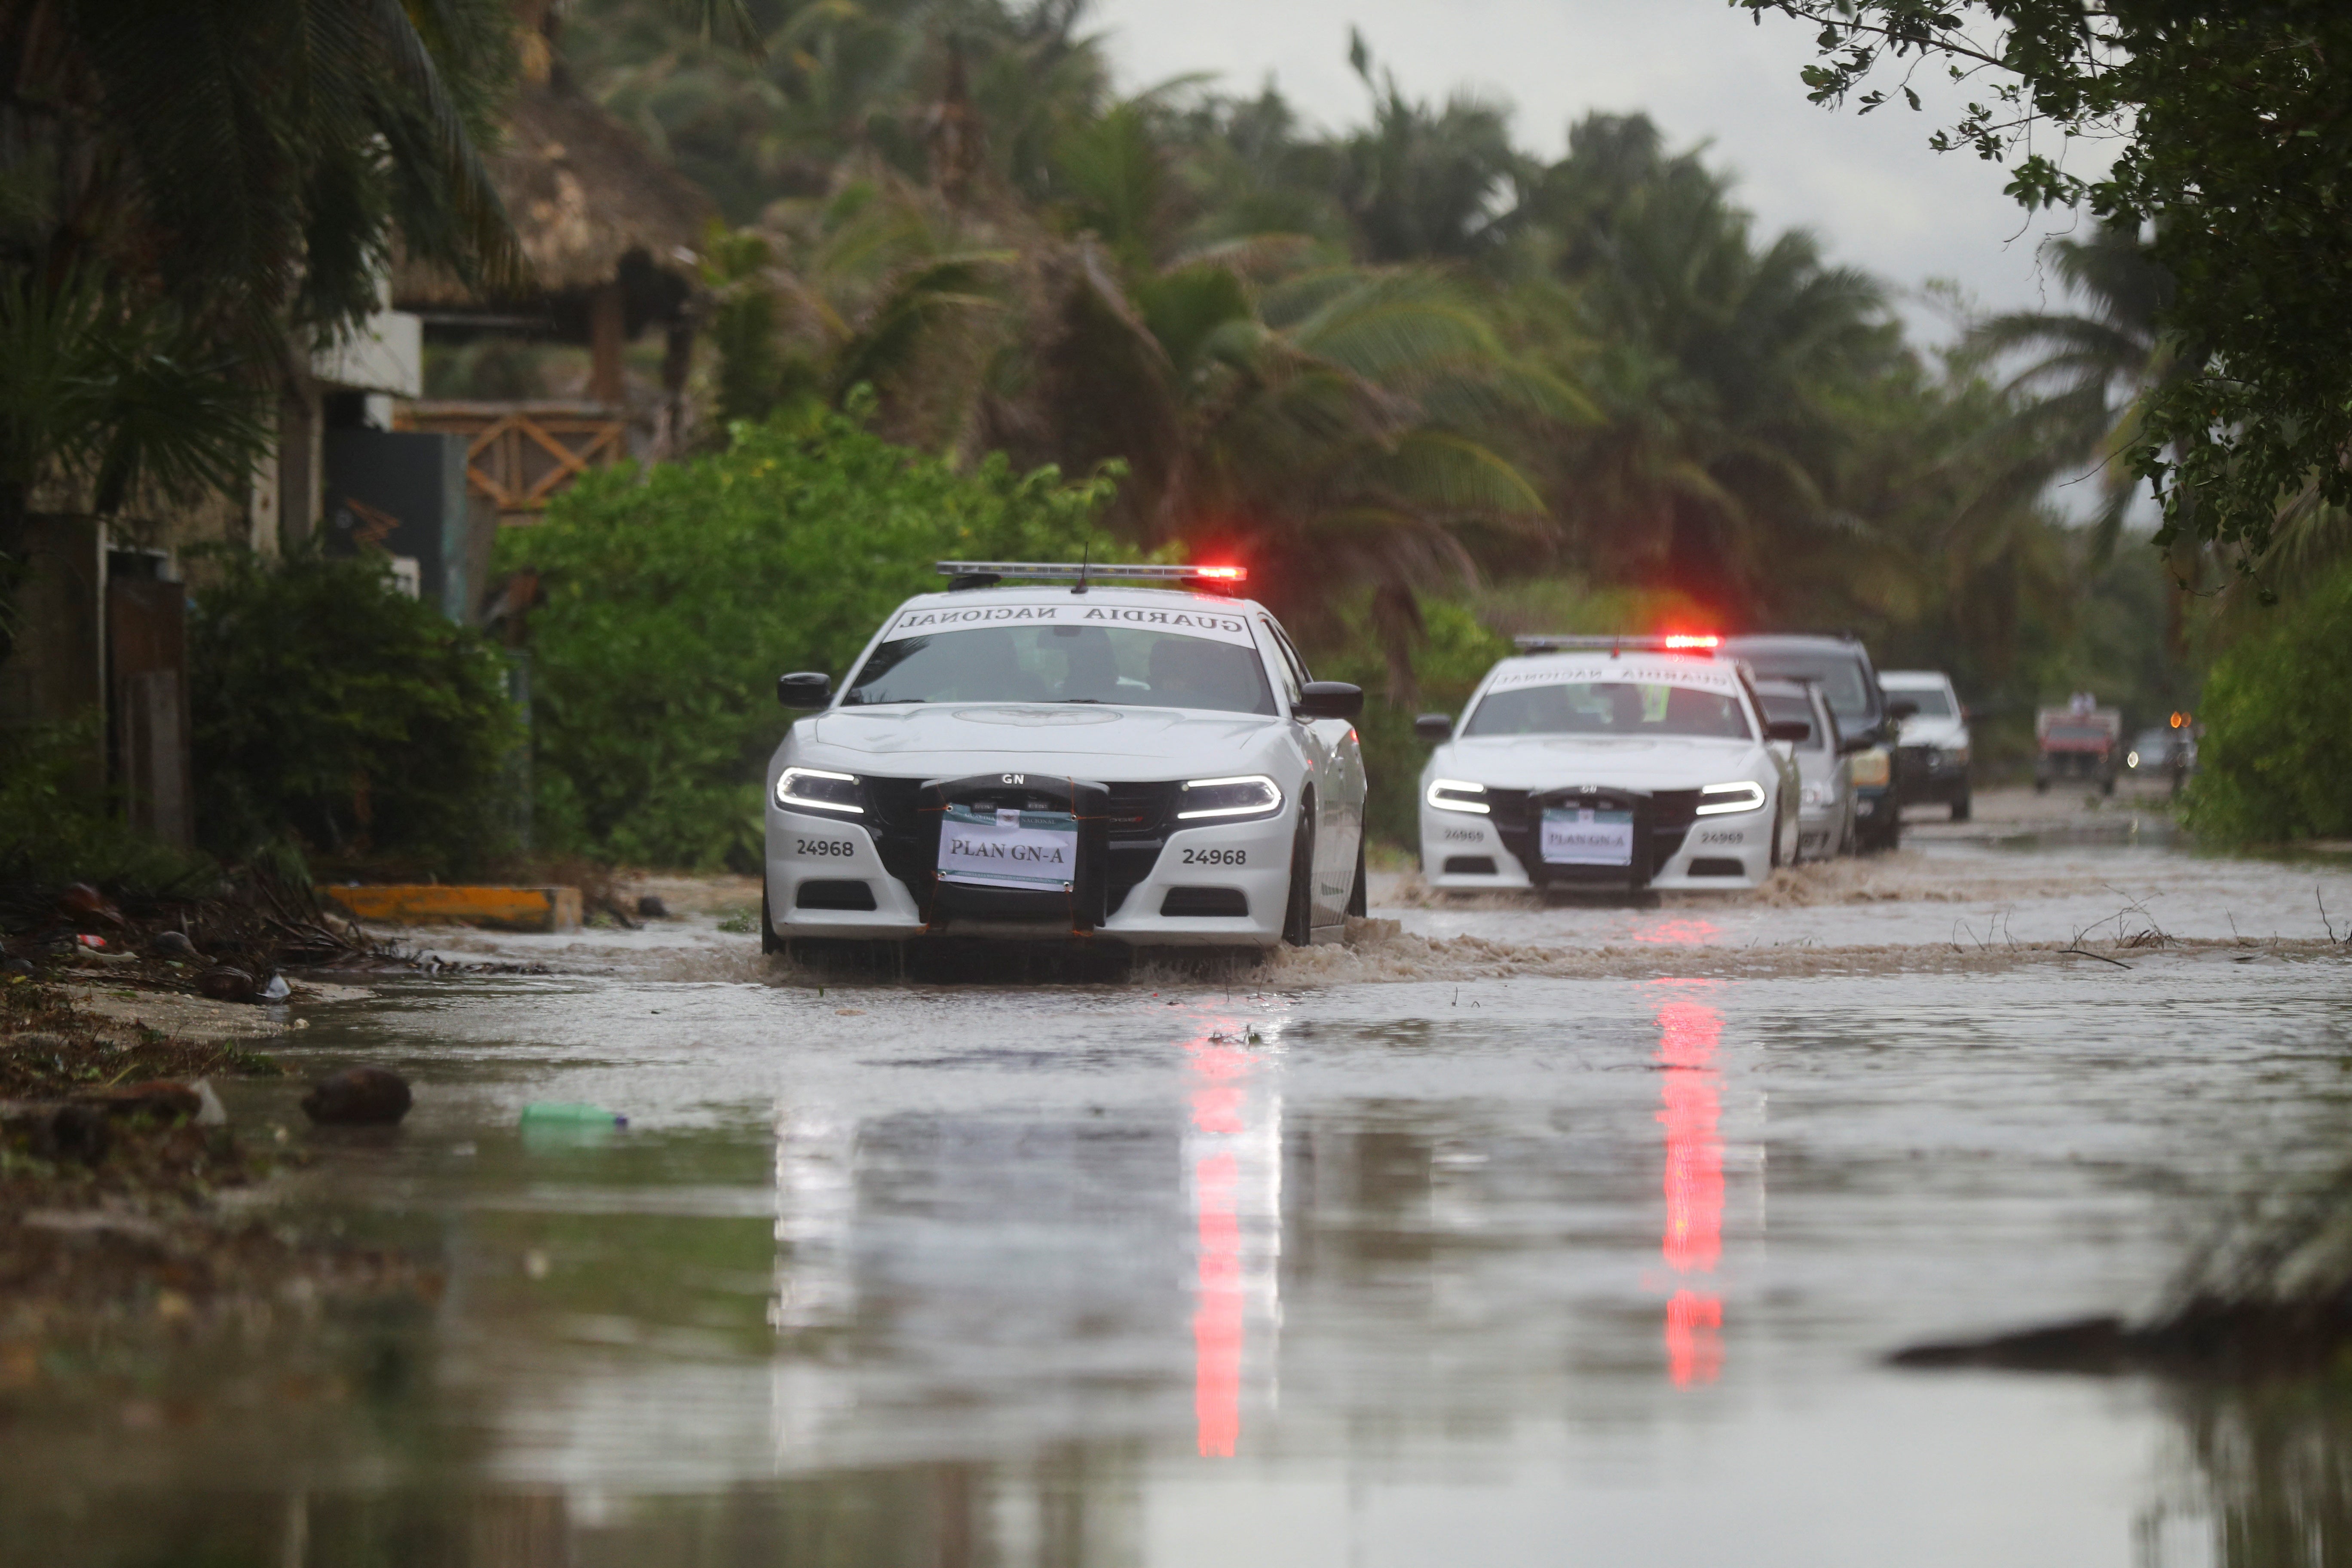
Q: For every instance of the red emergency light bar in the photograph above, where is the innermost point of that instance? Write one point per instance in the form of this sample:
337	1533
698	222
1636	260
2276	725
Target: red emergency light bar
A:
1678	642
964	574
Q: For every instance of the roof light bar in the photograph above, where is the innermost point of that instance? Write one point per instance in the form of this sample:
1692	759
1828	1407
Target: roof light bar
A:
1092	571
1677	642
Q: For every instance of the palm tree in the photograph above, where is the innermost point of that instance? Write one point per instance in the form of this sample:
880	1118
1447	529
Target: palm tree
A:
1726	371
2086	373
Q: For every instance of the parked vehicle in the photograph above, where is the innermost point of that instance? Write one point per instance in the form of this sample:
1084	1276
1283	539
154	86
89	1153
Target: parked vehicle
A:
1866	717
2079	742
1609	764
1931	757
1069	757
1825	819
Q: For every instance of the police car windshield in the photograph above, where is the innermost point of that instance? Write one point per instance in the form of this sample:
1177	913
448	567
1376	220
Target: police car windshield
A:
1131	669
1840	678
1609	707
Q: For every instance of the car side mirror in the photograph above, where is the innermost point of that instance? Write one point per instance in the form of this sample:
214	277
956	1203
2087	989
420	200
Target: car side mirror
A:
804	688
1792	730
1330	700
1900	709
1850	744
1434	728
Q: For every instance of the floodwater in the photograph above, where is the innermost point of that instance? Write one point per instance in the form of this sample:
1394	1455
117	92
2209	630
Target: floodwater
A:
1497	1269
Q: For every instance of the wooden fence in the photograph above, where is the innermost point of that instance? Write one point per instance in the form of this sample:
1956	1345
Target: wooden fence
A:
518	455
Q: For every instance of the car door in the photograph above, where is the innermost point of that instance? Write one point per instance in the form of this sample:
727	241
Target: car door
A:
1338	777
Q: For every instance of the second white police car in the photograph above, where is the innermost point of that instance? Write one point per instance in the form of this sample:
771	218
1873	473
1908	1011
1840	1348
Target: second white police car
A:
1609	764
1046	750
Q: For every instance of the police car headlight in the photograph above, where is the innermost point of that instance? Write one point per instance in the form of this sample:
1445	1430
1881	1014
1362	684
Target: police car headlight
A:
1453	795
807	789
1873	768
1813	795
1254	795
1723	799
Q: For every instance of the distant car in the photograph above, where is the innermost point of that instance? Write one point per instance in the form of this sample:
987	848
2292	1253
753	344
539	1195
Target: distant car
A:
2150	756
1069	757
1931	758
2079	742
1825	820
1842	666
1610	765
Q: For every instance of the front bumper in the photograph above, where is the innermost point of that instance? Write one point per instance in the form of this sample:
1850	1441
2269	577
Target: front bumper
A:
1221	884
1929	774
1463	852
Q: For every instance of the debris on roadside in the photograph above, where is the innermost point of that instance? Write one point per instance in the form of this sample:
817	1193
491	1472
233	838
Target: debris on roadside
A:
113	1150
358	1096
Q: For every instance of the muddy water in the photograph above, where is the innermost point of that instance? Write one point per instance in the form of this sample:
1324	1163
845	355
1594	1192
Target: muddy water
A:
1477	1271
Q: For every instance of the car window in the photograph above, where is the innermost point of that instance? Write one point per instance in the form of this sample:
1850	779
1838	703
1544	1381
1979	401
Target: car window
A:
1609	707
1294	674
1796	709
1934	702
1064	664
1840	677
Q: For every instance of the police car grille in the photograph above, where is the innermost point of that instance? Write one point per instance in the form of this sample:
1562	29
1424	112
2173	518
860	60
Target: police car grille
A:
1672	812
1139	819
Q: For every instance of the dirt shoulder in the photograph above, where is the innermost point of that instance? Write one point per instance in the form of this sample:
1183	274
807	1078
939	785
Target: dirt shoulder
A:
114	1162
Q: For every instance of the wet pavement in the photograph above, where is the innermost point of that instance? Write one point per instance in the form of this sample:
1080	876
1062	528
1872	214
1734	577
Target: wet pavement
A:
1481	1270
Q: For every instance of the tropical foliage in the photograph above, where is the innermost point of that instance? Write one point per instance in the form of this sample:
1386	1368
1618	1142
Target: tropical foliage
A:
333	710
2277	749
2234	143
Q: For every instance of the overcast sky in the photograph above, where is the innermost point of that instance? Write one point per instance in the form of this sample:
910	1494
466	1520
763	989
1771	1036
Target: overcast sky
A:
1867	184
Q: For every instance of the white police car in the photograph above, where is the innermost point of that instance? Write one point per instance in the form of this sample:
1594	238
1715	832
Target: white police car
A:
1073	756
1609	764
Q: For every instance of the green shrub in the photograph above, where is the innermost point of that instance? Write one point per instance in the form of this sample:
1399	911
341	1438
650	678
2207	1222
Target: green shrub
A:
674	598
55	829
2275	760
330	707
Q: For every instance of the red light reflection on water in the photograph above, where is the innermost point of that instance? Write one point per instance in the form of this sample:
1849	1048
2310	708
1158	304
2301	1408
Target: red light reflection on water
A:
1692	1105
1680	933
1219	1324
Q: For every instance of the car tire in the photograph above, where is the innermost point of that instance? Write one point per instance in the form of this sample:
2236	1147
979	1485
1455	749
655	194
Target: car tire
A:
769	941
1961	809
1358	895
1298	910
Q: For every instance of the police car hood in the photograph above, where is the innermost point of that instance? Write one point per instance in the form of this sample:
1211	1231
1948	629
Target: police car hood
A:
1550	762
1084	740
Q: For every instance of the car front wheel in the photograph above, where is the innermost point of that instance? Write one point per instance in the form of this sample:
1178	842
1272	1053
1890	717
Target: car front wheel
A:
769	941
1298	912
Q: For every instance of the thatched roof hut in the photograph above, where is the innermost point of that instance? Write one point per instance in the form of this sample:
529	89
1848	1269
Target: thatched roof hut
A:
608	228
585	198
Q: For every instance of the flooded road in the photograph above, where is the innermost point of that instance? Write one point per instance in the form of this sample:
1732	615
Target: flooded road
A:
1481	1270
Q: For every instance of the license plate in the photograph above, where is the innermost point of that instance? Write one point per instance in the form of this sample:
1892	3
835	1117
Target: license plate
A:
1579	836
1032	849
